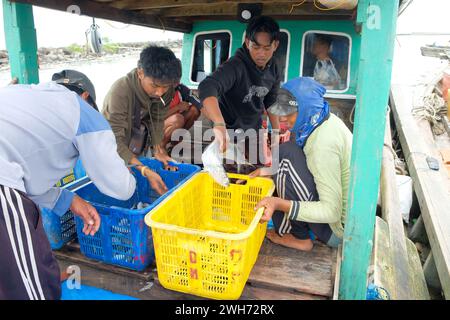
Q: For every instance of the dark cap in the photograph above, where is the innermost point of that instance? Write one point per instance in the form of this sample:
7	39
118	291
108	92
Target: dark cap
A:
75	79
285	104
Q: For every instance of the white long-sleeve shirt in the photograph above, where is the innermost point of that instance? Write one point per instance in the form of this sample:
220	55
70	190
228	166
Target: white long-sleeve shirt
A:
44	129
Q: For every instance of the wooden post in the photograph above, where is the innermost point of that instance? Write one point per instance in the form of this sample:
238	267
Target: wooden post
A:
21	42
431	273
378	19
391	213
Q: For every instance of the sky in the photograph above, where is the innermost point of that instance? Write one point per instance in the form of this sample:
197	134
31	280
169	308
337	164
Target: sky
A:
57	28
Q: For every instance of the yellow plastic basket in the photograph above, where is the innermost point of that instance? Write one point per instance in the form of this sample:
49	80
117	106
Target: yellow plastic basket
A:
207	237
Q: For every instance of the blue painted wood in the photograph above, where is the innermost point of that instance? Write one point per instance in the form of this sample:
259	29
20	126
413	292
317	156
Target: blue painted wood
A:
20	36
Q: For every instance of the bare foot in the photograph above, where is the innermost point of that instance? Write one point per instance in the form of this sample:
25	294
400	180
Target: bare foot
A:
288	240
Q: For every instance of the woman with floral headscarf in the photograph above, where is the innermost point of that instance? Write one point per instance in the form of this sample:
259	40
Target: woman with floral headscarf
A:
312	179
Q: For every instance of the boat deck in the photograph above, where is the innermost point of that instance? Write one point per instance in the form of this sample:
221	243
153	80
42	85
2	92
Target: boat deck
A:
279	274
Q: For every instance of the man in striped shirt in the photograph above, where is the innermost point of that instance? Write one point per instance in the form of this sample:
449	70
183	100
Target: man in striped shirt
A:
45	129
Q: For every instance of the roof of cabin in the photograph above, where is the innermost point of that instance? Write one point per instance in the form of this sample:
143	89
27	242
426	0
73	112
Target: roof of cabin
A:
179	15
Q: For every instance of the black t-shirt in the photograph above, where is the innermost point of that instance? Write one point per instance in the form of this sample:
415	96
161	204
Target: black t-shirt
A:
243	90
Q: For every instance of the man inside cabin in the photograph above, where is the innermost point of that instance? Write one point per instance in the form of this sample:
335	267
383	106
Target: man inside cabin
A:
136	107
324	70
236	95
45	129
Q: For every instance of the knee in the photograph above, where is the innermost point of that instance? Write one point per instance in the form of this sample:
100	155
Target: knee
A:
175	121
193	113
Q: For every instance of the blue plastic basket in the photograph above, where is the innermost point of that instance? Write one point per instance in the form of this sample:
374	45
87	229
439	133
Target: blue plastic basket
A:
61	230
123	238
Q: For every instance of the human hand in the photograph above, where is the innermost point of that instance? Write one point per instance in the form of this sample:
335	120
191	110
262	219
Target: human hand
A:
261	172
183	106
270	205
155	181
221	134
87	213
162	156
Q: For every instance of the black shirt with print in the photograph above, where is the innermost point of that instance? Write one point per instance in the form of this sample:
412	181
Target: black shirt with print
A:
243	89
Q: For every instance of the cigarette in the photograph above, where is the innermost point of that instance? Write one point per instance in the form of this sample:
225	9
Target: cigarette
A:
162	100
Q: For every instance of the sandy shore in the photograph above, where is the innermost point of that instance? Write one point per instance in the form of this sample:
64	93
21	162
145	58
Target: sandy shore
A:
52	57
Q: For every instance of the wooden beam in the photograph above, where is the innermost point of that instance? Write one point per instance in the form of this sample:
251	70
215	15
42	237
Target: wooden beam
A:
431	186
383	268
374	77
418	285
157	4
391	213
105	11
231	9
431	274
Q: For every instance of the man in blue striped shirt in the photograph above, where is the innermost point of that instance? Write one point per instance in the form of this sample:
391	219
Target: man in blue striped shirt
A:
45	129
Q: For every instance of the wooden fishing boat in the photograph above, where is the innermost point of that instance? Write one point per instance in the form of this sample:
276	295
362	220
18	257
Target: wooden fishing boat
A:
376	252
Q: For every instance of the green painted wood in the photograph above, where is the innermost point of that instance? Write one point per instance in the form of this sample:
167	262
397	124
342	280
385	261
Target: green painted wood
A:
20	36
375	66
296	29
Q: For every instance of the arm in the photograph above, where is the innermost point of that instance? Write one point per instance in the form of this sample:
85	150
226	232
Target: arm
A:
218	83
56	199
60	200
98	152
158	113
327	210
189	96
210	89
271	98
324	164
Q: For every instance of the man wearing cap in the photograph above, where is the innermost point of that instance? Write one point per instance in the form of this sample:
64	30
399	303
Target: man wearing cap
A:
136	107
45	129
77	82
312	180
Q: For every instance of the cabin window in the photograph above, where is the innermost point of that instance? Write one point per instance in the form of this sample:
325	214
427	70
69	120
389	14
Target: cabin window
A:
210	51
326	58
281	55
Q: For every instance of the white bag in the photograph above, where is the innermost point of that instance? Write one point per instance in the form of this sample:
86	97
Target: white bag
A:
213	161
405	194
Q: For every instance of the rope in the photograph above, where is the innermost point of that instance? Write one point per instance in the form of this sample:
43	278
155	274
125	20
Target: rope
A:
296	5
433	110
317	6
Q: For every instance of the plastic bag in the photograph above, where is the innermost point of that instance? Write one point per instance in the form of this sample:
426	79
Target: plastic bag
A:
213	161
405	193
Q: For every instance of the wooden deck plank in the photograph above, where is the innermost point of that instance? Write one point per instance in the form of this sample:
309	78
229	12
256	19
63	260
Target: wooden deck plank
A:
300	275
391	213
383	271
431	187
419	290
307	272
